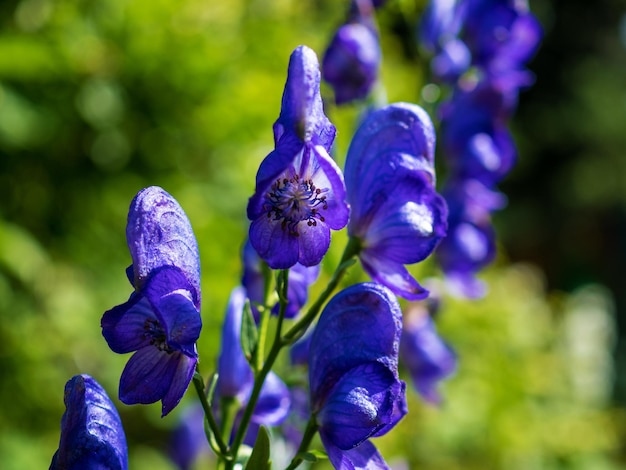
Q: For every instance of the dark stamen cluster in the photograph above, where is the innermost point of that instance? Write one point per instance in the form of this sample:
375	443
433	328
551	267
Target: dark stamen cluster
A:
293	200
156	335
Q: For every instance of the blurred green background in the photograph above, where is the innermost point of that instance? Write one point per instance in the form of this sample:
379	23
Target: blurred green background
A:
99	99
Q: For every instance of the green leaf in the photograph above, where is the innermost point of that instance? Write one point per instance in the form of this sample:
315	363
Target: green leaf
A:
260	457
249	334
312	456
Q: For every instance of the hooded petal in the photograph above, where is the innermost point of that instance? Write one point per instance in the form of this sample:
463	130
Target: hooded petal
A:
160	234
400	129
302	110
359	325
92	435
360	405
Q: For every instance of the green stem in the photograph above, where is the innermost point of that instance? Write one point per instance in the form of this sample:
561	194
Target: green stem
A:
263	328
222	449
259	379
309	434
352	249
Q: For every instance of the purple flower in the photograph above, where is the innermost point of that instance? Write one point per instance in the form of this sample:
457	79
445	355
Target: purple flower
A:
426	356
353	57
161	320
502	34
236	378
253	280
452	61
300	193
92	435
188	440
440	22
353	374
476	141
470	244
396	214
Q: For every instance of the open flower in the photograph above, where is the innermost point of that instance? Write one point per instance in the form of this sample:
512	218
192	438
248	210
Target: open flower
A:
161	320
353	374
300	192
92	435
397	216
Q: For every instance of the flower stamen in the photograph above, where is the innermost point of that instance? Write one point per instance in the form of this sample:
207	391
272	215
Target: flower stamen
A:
294	200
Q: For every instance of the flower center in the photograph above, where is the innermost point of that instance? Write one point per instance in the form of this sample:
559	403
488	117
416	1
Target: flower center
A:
156	334
293	200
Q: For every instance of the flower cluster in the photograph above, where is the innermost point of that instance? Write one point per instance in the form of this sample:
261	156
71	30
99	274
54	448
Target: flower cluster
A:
479	48
353	343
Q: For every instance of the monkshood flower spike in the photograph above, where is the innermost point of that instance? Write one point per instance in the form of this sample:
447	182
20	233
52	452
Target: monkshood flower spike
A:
300	192
92	435
161	320
353	374
397	216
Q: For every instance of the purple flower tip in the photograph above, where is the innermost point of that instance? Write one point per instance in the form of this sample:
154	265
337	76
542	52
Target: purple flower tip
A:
160	234
302	110
161	320
300	192
92	435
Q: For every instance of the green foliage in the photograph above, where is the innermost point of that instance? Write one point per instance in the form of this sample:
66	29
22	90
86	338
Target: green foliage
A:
260	457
